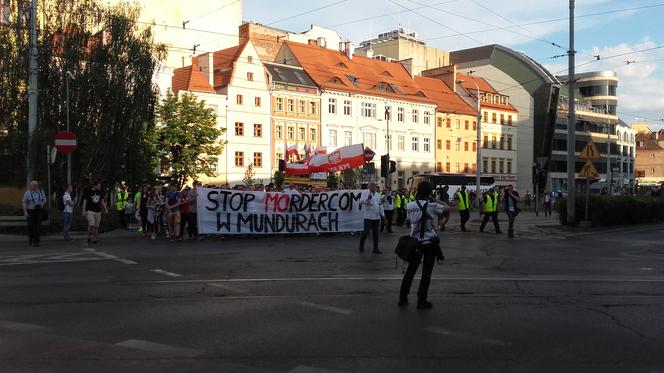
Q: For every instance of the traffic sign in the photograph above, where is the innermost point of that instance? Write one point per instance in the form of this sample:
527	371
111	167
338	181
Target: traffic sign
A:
588	170
590	151
65	142
368	154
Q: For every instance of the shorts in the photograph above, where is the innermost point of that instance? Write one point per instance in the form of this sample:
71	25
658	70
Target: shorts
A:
174	217
94	218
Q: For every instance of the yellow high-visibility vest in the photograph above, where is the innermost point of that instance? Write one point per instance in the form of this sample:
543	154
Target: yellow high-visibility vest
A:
463	203
491	204
121	200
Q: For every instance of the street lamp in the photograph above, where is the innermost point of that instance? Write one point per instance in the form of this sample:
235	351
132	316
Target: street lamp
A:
68	76
478	168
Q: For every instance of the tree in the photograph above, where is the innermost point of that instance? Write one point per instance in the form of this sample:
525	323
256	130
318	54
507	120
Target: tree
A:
249	174
332	180
350	177
188	137
113	59
279	177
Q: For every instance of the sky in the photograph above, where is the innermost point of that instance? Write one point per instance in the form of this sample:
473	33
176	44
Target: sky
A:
623	31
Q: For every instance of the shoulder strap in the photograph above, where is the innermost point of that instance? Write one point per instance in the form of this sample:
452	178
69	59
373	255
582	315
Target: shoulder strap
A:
425	215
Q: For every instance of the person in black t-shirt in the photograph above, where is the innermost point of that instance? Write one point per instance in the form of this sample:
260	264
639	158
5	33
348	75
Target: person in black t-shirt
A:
93	202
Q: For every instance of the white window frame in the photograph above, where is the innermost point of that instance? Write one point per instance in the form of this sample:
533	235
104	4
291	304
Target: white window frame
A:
415	143
332	105
426	145
348	109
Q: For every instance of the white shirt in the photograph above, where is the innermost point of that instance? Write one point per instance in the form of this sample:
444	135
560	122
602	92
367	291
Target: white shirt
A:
434	210
66	198
371	207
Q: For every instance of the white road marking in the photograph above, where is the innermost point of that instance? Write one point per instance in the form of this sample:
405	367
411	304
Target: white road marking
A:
232	289
62	257
174	351
468	337
22	327
166	273
308	369
113	257
326	308
88	249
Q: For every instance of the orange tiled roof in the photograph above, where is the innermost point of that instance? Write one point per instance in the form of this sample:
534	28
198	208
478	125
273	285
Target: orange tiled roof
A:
333	70
445	98
190	78
224	64
469	85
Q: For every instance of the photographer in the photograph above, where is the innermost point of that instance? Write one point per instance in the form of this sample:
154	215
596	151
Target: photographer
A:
510	199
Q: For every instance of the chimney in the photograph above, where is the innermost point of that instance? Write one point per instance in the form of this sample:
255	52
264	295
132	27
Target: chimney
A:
448	74
342	46
350	49
206	66
210	58
322	42
312	42
370	52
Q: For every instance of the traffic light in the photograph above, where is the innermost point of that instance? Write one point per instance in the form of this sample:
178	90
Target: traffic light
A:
393	167
384	165
282	165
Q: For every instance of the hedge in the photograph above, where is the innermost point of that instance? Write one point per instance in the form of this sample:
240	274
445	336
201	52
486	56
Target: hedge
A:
604	210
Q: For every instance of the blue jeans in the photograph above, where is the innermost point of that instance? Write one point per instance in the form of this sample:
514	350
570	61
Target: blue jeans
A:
66	219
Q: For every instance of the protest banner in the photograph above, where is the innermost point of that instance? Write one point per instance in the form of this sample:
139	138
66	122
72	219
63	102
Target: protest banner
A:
230	212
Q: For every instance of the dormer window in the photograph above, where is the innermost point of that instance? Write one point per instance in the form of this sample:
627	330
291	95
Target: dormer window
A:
342	65
336	80
386	73
354	80
420	93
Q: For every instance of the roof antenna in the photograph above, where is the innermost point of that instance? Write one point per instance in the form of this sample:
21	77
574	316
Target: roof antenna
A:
597	58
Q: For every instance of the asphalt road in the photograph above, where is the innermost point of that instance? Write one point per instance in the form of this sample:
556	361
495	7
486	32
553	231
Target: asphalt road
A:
314	304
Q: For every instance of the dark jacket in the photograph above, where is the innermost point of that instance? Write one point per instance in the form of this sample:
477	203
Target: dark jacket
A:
506	204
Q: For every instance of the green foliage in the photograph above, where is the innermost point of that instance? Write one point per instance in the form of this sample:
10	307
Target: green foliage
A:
332	180
249	174
349	178
113	59
279	177
188	137
615	210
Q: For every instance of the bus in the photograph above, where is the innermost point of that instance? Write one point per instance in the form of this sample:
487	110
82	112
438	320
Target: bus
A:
453	181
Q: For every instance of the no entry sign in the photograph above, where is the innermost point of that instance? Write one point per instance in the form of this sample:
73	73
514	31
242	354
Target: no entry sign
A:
65	142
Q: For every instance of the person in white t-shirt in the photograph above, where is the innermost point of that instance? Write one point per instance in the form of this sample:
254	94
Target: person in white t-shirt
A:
373	214
68	212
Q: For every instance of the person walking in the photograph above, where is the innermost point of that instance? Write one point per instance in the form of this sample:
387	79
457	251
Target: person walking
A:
528	197
373	214
68	211
401	207
547	203
93	202
184	211
463	199
491	210
510	198
423	215
388	207
34	202
142	208
193	211
121	199
172	205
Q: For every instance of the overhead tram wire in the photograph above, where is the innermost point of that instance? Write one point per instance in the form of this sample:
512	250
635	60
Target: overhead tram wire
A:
210	12
386	15
307	12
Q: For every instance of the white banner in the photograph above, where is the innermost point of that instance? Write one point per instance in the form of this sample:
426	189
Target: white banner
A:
239	212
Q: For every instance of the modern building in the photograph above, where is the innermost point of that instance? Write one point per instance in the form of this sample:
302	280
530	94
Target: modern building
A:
402	45
296	110
649	156
598	89
365	100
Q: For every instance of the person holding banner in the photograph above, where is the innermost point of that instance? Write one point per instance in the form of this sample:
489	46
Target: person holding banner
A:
373	214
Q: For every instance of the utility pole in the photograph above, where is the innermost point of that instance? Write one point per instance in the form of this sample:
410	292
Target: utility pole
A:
609	171
571	125
68	75
388	175
33	87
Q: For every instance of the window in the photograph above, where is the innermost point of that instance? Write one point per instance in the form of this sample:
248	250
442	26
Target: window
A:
348	138
474	125
250	59
278	131
502	142
258	130
493	165
439	167
239	129
369	139
239	159
238	99
415	144
456	166
652	170
279	155
485	117
368	110
501	166
332	105
279	103
312	108
439	122
485	164
388	142
400	114
474	147
652	155
448	167
509	142
474	168
448	145
426	145
401	143
486	142
466	168
493	118
250	76
502	118
258	160
426	117
466	125
291	105
457	145
509	120
301	133
415	116
458	124
439	144
465	146
291	133
347	107
494	142
312	134
333	138
509	166
448	123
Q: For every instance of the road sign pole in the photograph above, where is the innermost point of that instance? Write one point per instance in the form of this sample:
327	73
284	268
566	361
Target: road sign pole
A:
587	192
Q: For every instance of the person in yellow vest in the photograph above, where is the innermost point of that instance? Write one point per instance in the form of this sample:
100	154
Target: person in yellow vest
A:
121	200
491	210
463	200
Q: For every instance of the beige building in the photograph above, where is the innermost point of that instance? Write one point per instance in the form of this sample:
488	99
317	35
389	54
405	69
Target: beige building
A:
400	45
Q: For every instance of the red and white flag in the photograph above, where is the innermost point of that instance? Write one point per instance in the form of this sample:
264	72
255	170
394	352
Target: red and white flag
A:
293	149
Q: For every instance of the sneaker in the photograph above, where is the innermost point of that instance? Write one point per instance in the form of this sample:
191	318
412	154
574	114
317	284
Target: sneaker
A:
424	305
377	252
